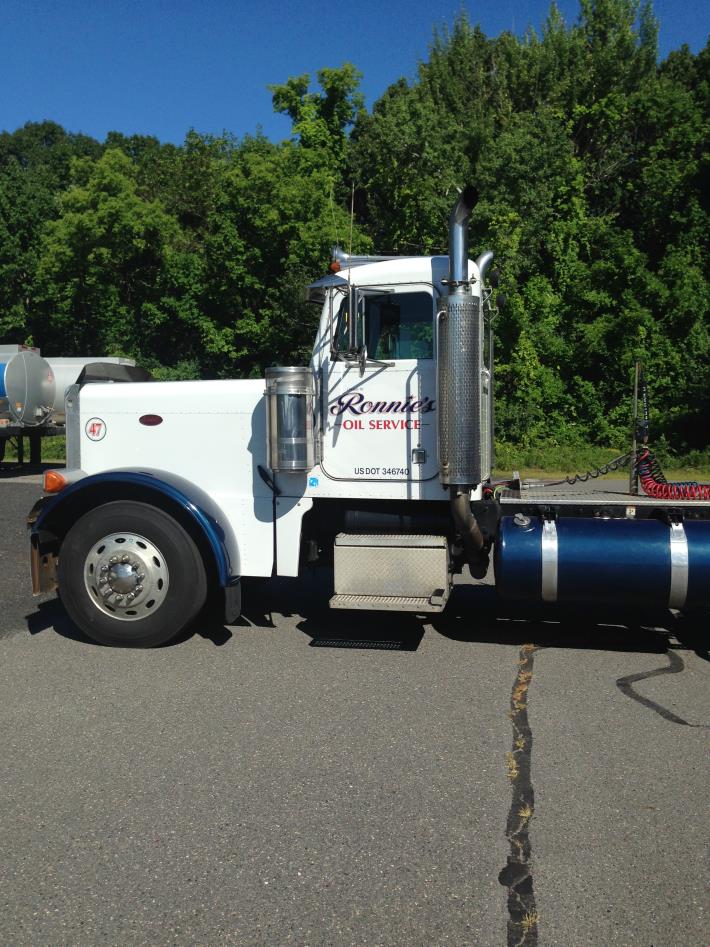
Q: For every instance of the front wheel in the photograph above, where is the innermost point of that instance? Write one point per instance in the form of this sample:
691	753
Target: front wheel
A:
130	575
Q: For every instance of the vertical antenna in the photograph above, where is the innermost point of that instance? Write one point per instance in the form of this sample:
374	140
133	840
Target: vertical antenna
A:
352	214
646	413
633	473
332	211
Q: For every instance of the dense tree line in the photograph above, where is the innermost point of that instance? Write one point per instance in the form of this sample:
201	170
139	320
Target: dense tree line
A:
591	159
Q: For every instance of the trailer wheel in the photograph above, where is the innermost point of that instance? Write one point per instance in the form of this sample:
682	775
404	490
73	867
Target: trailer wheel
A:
130	575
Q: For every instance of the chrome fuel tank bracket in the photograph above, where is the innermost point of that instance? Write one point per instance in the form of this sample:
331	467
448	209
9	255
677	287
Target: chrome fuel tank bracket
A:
679	565
549	557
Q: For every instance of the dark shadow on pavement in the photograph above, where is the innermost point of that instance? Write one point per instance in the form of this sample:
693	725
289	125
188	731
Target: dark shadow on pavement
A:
308	597
52	616
474	614
12	470
208	626
693	632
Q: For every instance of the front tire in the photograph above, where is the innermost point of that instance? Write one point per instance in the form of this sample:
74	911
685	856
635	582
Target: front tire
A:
130	575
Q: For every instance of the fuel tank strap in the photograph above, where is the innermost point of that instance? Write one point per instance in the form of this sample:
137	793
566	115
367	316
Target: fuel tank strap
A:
548	543
679	566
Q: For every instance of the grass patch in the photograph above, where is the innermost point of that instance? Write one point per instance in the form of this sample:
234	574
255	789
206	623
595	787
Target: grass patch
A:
673	474
53	449
550	461
511	765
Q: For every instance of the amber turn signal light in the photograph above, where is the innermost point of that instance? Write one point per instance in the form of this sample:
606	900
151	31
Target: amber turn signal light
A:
53	481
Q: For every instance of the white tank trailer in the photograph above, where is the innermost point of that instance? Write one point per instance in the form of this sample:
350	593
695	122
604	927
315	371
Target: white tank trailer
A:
32	388
27	387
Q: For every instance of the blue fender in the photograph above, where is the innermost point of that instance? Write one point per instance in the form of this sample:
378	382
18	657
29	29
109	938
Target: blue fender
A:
166	490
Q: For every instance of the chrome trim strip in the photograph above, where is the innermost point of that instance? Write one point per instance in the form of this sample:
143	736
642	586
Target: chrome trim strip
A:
679	566
73	426
548	544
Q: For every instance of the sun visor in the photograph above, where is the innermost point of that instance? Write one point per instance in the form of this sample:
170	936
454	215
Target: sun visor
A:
315	292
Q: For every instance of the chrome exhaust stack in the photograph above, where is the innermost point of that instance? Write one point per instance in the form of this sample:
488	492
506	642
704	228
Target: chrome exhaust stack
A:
460	360
461	406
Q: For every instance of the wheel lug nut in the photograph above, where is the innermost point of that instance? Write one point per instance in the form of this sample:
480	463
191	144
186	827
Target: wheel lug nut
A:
139	588
103	580
125	558
140	576
119	598
130	597
113	560
104	568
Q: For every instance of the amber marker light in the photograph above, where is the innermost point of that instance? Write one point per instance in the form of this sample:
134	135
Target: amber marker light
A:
53	481
334	267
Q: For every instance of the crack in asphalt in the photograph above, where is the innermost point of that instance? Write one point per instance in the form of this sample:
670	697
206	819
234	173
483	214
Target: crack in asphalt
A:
675	666
517	874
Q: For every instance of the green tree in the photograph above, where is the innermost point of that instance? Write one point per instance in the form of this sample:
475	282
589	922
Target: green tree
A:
321	119
100	276
592	163
35	164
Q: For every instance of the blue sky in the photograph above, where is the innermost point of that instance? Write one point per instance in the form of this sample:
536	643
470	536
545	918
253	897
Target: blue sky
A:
161	68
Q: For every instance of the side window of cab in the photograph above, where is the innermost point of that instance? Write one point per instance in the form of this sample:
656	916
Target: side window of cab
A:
399	326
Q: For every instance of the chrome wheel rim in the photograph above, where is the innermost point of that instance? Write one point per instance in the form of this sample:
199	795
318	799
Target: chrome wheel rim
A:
126	576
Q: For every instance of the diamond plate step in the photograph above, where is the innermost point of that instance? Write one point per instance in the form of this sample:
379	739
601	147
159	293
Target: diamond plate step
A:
395	603
391	540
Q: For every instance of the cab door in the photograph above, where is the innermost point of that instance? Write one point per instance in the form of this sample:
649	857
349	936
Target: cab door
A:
379	418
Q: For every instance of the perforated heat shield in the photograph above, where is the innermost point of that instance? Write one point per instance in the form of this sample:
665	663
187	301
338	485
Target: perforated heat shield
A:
460	354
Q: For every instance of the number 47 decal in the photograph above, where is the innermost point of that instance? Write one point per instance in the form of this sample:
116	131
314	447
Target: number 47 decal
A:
95	429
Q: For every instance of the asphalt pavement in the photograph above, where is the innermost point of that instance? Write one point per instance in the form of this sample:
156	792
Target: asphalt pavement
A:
306	777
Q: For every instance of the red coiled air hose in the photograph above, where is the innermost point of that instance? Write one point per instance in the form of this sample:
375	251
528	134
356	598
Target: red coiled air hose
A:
655	484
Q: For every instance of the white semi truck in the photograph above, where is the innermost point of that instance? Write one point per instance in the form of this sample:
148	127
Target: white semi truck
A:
373	461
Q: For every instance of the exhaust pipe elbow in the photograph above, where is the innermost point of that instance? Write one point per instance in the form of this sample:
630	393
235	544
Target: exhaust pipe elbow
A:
470	531
483	262
458	237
